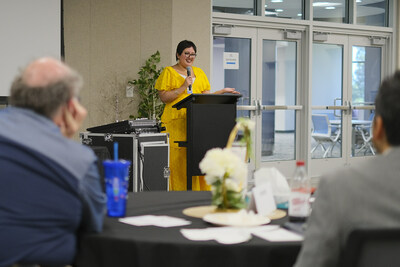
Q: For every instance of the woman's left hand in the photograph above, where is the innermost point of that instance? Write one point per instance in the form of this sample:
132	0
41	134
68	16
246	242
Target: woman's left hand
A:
228	90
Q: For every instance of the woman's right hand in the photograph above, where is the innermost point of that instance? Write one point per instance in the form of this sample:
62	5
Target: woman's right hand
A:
169	96
188	81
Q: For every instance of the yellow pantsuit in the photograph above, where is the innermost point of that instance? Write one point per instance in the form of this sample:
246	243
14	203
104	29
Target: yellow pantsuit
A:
175	122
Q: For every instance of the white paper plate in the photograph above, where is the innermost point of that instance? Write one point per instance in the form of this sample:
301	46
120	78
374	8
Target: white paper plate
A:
236	219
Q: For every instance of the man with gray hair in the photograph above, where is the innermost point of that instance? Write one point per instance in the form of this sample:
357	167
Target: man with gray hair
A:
50	189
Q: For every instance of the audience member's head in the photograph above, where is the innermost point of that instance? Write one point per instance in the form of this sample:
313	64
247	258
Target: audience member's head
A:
44	86
182	46
387	110
50	88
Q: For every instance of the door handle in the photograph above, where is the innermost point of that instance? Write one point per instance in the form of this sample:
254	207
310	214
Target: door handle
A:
282	107
259	106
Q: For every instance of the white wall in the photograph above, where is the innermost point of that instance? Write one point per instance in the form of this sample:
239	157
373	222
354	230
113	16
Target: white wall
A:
28	30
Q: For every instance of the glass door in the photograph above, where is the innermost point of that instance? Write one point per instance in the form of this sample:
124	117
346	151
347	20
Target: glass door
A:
324	119
366	76
234	57
277	96
265	72
329	104
343	94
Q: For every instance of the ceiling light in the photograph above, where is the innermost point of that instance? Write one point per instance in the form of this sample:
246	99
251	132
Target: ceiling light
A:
276	1
330	7
279	10
299	14
269	13
325	4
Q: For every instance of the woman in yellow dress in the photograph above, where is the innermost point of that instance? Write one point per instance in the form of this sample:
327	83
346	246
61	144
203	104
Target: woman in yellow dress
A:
172	86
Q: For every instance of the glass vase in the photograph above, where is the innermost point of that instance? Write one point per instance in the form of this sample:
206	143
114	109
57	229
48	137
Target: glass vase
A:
225	198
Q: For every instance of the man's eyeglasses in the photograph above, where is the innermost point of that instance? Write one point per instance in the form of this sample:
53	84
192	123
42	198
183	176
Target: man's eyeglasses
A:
187	54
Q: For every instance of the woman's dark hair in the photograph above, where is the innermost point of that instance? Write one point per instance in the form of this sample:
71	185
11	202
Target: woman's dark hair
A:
387	106
182	46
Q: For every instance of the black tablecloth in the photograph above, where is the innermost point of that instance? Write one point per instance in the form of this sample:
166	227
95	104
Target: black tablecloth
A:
126	245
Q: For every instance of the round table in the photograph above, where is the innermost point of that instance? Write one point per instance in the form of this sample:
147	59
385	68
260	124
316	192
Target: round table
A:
125	245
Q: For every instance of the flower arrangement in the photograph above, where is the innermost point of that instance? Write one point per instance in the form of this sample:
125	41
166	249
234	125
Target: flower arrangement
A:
226	174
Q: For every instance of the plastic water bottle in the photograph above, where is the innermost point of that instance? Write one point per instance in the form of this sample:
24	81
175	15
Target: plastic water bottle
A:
299	200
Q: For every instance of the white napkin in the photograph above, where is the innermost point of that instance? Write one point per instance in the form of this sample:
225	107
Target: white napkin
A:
223	235
279	184
160	221
226	235
277	235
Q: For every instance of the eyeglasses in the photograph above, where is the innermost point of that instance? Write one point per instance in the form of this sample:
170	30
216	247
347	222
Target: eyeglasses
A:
187	54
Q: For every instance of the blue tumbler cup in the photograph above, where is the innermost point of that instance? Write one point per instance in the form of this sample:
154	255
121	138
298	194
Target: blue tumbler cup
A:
116	174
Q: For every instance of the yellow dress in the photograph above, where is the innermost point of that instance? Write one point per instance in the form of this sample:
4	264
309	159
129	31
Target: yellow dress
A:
175	122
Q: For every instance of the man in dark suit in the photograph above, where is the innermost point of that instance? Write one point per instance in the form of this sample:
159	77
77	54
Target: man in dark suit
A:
50	189
366	195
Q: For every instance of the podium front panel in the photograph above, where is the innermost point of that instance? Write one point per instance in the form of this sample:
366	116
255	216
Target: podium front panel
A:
209	126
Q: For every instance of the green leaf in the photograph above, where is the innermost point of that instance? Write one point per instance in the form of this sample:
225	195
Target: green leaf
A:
144	85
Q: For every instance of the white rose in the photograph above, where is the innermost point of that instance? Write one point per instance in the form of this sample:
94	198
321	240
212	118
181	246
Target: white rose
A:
217	162
210	164
211	179
232	185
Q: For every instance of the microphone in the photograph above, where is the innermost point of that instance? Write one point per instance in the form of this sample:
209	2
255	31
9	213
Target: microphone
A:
189	89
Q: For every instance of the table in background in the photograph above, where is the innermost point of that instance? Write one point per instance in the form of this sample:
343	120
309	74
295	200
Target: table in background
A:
125	245
354	123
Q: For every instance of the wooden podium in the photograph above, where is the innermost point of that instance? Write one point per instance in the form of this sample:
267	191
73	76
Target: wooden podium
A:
210	119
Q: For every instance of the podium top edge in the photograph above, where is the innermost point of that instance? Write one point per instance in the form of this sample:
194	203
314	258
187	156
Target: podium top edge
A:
208	99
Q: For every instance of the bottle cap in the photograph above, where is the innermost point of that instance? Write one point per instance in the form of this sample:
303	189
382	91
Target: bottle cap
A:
300	163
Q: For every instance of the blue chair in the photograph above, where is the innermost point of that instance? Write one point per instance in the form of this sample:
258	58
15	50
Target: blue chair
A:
322	133
332	116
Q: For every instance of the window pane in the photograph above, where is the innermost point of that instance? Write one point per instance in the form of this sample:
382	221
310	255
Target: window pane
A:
366	74
326	91
278	88
236	7
331	11
366	77
290	9
238	78
372	12
327	78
